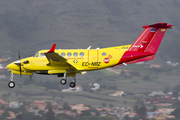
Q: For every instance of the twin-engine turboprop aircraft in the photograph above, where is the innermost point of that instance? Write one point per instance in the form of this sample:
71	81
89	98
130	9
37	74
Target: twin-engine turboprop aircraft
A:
69	62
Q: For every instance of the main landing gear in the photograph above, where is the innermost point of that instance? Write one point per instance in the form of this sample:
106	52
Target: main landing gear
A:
63	81
11	84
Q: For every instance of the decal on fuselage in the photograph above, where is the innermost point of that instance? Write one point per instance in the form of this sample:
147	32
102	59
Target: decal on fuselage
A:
124	47
91	64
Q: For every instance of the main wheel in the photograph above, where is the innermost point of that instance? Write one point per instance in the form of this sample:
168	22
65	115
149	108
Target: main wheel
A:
11	84
63	81
72	84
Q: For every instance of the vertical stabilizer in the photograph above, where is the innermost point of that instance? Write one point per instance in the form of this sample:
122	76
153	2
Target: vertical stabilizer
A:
146	45
150	38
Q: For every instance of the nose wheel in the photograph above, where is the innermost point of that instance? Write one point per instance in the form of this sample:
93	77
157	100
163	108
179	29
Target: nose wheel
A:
11	84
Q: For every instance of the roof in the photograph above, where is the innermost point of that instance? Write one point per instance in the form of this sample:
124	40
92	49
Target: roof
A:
3	102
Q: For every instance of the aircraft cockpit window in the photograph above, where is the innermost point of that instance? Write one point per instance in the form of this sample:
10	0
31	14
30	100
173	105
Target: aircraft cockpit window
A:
104	54
63	54
36	54
69	54
75	54
42	54
81	54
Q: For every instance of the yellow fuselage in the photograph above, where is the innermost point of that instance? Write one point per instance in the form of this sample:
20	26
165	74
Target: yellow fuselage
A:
81	59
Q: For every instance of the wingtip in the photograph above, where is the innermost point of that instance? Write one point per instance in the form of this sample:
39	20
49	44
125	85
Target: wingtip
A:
52	48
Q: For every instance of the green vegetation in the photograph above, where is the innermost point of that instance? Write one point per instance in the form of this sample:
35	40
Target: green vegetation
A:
31	25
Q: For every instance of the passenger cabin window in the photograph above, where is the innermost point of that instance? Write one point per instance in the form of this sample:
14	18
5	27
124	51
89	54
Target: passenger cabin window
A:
42	55
104	54
69	54
81	54
75	54
63	54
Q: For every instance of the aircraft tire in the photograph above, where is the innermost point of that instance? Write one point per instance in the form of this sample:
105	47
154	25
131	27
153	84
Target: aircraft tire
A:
63	81
11	84
72	84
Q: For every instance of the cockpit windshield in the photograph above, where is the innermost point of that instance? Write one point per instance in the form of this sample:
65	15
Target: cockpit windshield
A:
42	54
36	55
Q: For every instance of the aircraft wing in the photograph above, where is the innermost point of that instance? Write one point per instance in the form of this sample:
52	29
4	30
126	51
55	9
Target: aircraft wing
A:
56	59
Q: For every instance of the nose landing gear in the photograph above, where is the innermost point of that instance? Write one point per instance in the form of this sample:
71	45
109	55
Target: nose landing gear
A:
11	84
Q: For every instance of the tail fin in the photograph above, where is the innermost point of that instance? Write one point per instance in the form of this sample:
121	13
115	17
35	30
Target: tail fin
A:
150	38
146	45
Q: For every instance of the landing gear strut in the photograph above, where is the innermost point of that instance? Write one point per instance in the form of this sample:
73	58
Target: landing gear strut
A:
63	81
11	84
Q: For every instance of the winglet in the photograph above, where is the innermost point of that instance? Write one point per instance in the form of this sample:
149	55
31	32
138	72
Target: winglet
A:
52	48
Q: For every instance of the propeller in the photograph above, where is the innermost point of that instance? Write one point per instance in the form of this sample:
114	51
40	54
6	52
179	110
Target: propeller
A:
30	77
20	63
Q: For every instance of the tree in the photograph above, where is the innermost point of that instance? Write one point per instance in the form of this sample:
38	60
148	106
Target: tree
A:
50	115
86	113
166	90
154	108
126	117
74	111
66	106
49	105
177	88
136	108
5	114
110	105
175	94
142	112
41	112
147	78
176	113
104	105
19	117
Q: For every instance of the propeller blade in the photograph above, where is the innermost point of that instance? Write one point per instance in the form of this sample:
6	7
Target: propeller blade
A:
20	63
30	77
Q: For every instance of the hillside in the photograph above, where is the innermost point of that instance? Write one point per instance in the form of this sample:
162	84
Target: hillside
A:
31	25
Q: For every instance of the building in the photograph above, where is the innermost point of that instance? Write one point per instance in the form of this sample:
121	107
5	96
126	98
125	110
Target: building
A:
15	104
40	104
79	108
117	93
152	100
96	86
156	93
75	89
166	97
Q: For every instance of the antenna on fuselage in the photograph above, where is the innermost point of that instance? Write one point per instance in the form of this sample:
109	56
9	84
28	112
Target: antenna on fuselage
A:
89	47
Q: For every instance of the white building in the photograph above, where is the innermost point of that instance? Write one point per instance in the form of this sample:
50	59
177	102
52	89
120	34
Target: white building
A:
75	89
96	86
117	93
